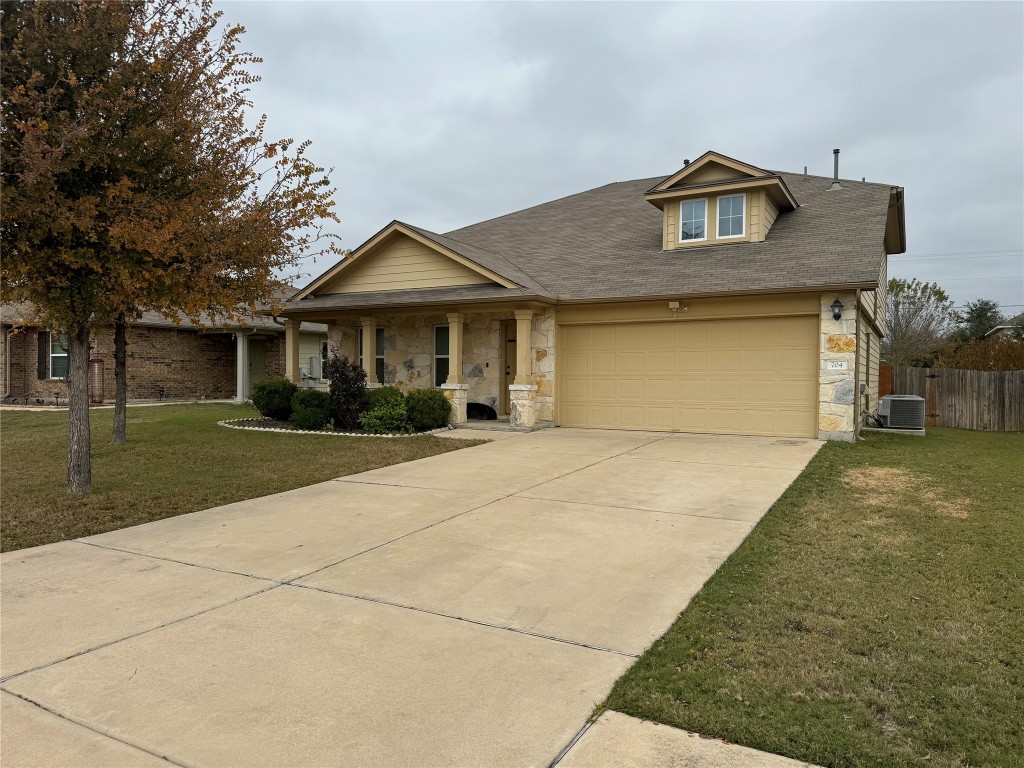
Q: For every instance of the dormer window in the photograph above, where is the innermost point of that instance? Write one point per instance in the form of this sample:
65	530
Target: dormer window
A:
693	215
731	216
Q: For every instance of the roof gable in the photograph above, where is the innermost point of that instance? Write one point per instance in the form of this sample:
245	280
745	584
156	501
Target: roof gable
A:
709	167
401	257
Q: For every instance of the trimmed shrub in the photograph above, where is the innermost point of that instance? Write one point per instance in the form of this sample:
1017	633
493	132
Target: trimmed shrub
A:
428	409
348	391
387	419
311	409
273	398
375	398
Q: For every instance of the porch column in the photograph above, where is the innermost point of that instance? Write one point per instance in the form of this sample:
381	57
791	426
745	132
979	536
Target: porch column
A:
369	331
454	388
241	367
291	351
522	390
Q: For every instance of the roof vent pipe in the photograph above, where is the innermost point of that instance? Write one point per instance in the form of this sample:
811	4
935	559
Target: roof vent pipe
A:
685	163
835	171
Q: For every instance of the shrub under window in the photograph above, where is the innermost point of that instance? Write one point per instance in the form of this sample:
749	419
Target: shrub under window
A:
311	409
428	409
273	398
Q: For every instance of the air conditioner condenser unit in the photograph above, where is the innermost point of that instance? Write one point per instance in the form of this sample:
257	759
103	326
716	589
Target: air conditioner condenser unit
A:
901	411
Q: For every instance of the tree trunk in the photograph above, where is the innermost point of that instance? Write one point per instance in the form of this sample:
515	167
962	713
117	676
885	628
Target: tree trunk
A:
120	380
79	446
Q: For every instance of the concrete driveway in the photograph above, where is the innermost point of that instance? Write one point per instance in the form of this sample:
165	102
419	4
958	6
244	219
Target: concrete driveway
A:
461	610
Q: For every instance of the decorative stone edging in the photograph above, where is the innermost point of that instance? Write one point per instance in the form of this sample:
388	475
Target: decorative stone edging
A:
240	424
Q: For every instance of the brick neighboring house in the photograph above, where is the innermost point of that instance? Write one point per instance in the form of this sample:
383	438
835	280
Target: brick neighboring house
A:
165	361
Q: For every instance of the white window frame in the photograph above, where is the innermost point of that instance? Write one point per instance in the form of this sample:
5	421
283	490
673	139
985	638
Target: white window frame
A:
379	331
679	234
718	201
57	335
437	357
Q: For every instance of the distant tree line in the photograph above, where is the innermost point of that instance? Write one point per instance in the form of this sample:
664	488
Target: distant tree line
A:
924	329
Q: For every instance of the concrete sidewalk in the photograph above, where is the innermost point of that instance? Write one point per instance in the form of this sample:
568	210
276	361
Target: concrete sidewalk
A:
465	609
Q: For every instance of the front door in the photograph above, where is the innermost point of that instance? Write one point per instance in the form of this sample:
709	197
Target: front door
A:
508	330
257	361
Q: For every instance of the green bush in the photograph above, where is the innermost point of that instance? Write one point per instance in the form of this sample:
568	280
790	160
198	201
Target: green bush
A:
273	398
428	409
388	419
375	398
311	409
347	382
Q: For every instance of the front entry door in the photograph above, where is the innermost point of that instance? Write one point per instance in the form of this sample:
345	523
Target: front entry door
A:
508	330
257	361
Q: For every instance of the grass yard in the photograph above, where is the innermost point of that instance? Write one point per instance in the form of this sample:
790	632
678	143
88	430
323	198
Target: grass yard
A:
875	617
177	460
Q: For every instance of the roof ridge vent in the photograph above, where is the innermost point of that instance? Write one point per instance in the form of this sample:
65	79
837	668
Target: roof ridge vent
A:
835	171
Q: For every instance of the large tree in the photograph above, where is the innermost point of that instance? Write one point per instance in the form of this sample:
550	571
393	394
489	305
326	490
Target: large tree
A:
920	316
978	318
132	179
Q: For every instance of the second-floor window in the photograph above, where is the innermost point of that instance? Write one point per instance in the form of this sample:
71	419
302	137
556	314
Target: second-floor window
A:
693	220
731	216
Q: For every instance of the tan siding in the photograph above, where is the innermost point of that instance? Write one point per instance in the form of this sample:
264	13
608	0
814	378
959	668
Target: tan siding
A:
754	229
695	309
882	296
309	346
671	222
402	263
770	213
715	172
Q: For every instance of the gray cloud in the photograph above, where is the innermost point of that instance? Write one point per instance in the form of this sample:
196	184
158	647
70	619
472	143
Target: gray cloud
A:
446	114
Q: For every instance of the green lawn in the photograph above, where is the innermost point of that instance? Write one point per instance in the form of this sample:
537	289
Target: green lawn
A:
177	460
875	617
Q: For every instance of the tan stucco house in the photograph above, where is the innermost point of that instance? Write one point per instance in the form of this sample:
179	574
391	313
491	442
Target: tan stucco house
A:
724	298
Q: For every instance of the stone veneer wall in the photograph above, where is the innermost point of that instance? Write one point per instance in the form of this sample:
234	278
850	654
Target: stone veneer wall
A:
409	354
542	353
838	389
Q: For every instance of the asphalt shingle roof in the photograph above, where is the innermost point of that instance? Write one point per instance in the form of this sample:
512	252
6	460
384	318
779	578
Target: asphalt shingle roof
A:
606	243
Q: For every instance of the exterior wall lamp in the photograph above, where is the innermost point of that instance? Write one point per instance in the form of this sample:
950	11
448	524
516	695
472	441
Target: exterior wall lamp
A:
837	309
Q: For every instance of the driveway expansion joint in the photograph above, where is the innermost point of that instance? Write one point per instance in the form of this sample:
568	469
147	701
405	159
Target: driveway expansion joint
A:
133	635
635	509
177	562
478	622
96	730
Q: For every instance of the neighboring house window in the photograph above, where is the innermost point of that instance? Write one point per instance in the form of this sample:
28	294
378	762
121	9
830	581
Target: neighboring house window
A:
380	354
441	359
731	216
58	355
693	220
323	350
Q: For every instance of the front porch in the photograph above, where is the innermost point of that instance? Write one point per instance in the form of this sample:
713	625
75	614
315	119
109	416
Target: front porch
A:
495	357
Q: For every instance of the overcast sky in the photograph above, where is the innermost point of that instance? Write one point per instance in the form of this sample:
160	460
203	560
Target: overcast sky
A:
446	114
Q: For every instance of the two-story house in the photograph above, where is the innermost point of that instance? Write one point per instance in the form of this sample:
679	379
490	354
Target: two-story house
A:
724	298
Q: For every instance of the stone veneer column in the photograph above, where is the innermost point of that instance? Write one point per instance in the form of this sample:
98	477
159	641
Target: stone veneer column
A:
523	390
837	385
458	396
520	397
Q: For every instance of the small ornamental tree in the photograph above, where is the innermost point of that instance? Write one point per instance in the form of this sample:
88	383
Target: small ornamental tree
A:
919	317
347	385
132	180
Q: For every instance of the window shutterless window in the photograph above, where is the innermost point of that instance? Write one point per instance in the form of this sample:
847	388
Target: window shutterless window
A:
693	216
58	355
731	218
441	358
380	354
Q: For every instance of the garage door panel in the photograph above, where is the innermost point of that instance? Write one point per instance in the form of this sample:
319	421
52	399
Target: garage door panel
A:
742	376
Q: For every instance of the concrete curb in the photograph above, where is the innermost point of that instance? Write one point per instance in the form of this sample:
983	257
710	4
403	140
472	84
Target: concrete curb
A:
240	424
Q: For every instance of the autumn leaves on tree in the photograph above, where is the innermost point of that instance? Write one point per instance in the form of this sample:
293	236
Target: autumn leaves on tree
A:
132	179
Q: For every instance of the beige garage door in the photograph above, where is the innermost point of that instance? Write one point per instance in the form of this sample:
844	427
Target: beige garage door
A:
755	376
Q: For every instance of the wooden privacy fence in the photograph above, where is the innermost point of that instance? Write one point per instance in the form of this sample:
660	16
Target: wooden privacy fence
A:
986	400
